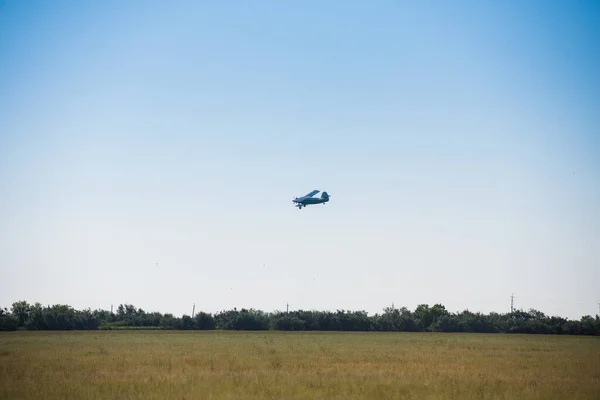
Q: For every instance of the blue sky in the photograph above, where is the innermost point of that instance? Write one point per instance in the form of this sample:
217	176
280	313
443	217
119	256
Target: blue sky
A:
149	153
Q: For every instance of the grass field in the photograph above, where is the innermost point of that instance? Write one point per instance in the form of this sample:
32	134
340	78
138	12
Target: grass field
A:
276	365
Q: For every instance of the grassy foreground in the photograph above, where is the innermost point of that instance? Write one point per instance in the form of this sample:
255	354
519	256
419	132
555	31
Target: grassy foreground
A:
278	365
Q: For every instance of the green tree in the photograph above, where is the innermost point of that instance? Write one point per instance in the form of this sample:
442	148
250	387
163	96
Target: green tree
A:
36	318
204	321
8	322
428	315
20	309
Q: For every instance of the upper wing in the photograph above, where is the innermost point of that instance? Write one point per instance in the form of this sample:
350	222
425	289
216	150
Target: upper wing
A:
311	194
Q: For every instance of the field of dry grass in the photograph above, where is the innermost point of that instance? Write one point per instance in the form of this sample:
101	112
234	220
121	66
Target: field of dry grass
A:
276	365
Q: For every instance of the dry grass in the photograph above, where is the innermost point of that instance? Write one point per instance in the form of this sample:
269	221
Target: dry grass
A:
276	365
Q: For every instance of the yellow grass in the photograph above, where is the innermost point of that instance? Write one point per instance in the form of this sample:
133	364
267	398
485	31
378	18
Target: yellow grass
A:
276	365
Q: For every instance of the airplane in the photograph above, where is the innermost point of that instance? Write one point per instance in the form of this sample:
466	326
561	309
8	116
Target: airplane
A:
308	199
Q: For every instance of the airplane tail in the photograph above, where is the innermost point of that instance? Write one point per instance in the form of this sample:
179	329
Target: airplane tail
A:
325	196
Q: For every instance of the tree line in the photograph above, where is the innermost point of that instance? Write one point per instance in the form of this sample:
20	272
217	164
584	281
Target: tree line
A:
25	316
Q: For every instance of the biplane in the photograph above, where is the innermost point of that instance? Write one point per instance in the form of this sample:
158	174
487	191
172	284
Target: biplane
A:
309	199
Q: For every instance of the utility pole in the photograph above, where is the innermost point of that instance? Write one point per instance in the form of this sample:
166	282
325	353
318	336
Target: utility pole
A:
111	309
511	303
287	308
193	310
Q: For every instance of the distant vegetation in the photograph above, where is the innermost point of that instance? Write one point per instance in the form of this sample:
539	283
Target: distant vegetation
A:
425	318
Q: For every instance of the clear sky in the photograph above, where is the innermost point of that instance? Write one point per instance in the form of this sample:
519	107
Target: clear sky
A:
150	152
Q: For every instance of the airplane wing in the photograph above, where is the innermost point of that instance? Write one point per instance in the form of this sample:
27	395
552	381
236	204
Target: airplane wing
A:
311	194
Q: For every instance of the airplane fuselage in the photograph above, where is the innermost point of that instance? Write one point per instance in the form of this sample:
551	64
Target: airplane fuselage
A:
317	200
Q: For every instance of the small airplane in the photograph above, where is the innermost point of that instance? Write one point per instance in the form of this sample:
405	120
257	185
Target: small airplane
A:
308	199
